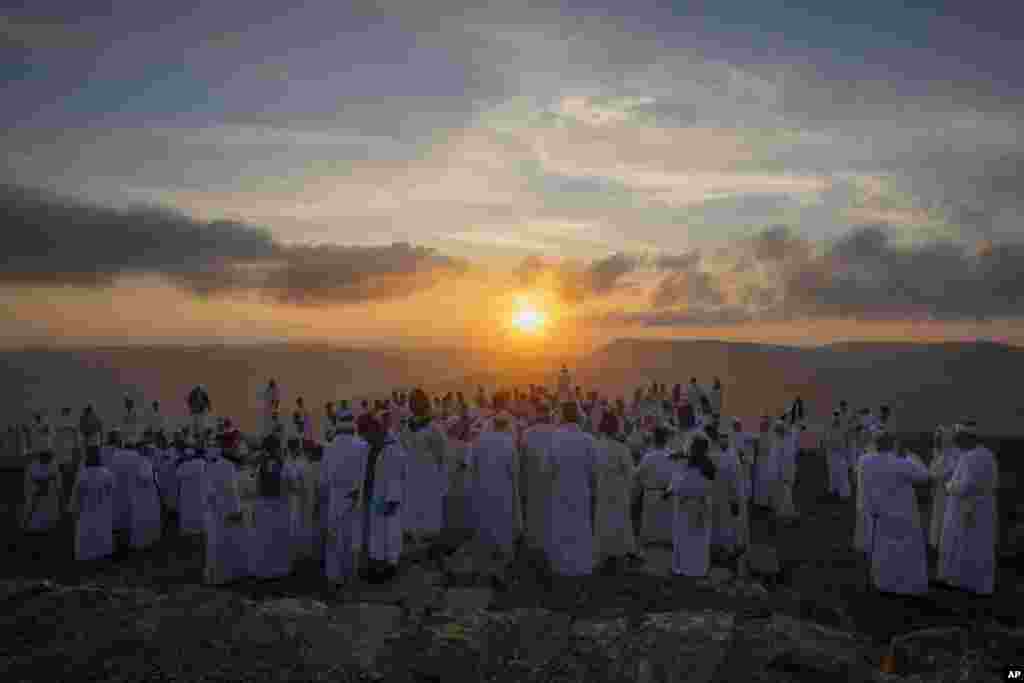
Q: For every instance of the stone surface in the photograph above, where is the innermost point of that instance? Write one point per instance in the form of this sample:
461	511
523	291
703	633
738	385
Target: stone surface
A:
719	576
929	649
657	561
462	600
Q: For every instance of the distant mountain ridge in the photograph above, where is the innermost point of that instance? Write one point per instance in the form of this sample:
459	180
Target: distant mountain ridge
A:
926	384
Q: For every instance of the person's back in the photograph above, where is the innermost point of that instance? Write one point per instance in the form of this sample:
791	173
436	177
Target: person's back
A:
42	494
145	505
191	479
971	524
897	550
125	466
574	470
494	461
94	507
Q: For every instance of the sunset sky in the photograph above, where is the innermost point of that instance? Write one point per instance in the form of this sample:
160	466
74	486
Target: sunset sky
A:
432	172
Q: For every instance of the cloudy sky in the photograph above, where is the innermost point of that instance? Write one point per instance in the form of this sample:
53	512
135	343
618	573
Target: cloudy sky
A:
391	170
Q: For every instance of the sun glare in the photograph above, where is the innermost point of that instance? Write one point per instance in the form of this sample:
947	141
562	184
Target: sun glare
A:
528	320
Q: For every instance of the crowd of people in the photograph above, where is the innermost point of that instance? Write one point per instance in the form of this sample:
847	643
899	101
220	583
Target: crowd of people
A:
553	470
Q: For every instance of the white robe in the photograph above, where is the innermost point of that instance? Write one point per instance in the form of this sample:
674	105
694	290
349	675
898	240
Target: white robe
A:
426	449
389	483
653	476
613	524
42	510
943	465
271	550
715	398
767	472
785	455
536	484
166	465
145	505
691	525
155	421
301	501
862	531
494	464
342	473
572	461
65	443
899	562
94	510
968	558
227	536
727	489
836	457
125	467
191	496
130	427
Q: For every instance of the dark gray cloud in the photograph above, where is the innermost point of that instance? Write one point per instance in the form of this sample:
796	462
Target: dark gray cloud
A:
863	275
576	283
54	241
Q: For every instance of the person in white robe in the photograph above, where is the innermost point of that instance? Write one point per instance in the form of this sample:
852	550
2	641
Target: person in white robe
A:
155	421
834	446
271	403
572	461
968	557
727	494
227	538
863	525
941	469
651	479
690	491
741	443
899	562
458	504
131	423
694	392
342	474
715	396
125	467
300	500
425	445
43	494
785	447
271	547
613	528
67	451
93	509
191	479
766	467
494	464
536	482
146	523
387	481
330	423
41	435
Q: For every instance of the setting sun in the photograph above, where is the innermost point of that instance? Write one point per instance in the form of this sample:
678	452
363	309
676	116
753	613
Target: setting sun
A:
528	320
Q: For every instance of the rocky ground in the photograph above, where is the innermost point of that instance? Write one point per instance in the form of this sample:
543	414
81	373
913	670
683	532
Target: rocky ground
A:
802	613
